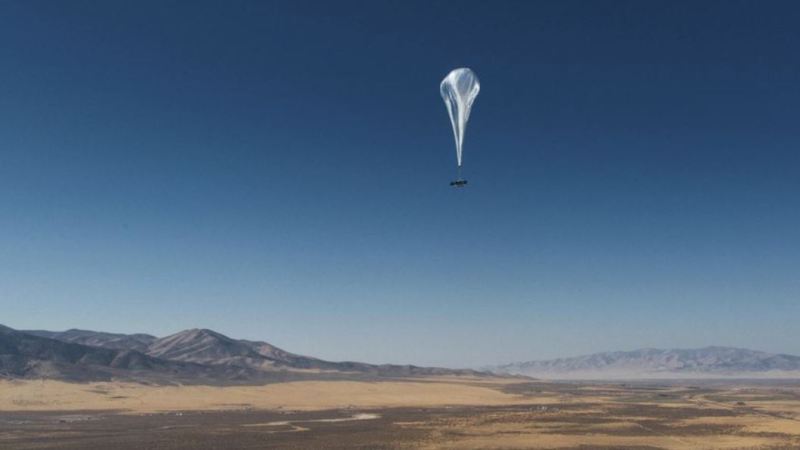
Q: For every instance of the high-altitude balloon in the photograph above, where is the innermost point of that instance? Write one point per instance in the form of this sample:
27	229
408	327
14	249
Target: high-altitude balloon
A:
459	90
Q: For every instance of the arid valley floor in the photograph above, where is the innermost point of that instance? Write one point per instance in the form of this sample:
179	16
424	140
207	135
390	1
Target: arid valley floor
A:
427	413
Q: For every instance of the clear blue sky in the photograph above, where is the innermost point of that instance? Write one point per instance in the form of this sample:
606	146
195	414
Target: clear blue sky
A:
279	171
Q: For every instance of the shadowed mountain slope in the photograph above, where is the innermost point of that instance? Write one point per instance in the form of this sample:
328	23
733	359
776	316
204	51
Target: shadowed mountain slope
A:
30	356
196	355
138	342
209	347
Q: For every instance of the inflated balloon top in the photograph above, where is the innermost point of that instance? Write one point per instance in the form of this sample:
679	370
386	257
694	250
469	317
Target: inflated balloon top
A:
459	90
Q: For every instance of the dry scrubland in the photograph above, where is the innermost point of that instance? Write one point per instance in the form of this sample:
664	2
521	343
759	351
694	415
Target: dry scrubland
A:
456	412
298	395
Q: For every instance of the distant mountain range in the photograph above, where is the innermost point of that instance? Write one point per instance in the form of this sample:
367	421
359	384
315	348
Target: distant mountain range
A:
191	356
205	356
708	362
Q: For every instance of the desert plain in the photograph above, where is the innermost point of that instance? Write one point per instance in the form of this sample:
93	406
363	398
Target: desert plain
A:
424	413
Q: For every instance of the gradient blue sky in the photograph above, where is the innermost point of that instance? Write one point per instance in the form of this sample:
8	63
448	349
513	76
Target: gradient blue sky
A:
279	171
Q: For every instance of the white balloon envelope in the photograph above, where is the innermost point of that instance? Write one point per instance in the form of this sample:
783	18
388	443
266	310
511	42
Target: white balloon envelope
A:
459	89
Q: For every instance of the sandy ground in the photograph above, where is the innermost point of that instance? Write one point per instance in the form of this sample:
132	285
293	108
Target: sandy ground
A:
300	395
435	413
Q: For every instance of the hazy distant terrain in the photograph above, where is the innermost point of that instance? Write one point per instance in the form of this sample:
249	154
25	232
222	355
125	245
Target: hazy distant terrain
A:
708	362
190	356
